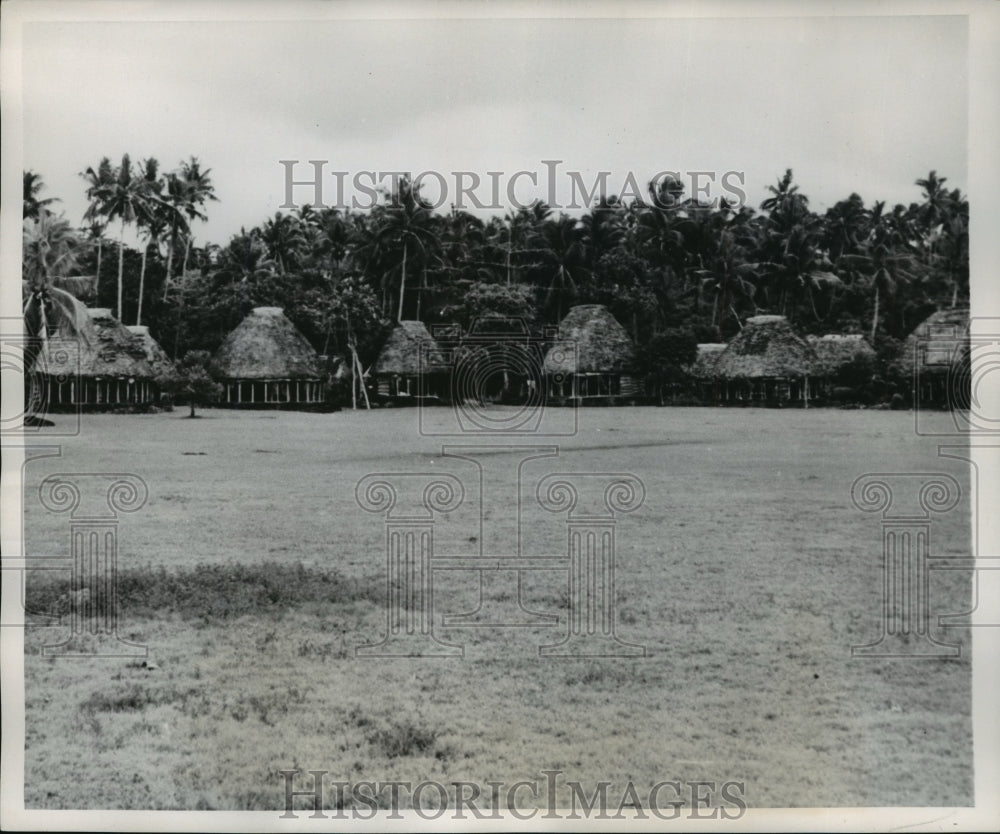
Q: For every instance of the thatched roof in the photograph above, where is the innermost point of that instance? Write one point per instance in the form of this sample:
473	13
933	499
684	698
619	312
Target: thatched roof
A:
766	348
156	356
936	343
590	341
103	347
704	363
83	287
833	352
401	353
266	345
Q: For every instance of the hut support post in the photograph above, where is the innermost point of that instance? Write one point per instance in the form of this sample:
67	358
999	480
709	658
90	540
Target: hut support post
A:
360	375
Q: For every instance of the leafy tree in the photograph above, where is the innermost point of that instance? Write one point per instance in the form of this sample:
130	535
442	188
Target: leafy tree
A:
193	383
483	299
665	357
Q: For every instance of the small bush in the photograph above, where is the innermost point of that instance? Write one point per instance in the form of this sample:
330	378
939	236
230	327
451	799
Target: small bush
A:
130	698
398	738
403	739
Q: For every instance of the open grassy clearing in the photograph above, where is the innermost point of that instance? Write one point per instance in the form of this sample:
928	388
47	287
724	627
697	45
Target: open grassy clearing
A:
252	575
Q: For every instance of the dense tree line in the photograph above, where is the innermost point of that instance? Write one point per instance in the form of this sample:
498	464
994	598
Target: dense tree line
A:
664	265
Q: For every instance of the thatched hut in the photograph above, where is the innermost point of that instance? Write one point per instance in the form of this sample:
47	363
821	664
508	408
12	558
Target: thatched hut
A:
936	357
842	362
81	287
704	379
98	365
266	362
156	356
592	359
411	364
767	363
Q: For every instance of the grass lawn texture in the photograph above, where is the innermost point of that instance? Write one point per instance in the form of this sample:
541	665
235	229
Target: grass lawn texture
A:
252	575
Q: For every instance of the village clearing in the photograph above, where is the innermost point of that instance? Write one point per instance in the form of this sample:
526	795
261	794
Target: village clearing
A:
748	574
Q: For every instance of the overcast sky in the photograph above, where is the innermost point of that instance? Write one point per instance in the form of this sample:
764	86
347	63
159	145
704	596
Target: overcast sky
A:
851	104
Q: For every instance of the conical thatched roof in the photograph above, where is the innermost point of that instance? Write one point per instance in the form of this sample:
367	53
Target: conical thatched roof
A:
936	343
766	348
704	363
590	341
401	353
266	345
103	347
156	356
833	352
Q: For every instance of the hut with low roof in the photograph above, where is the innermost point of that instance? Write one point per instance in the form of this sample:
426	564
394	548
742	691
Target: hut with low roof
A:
766	363
704	379
411	365
156	357
592	358
844	364
97	364
81	287
267	363
936	360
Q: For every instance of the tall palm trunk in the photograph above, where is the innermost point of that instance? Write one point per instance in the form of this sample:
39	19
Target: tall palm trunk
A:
121	263
402	285
422	289
142	284
180	322
97	283
170	261
875	315
187	251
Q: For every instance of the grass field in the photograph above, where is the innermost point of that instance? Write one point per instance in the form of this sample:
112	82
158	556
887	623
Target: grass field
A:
252	575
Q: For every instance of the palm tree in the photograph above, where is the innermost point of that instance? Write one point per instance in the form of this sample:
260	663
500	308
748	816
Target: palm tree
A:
150	218
285	240
32	186
405	225
94	232
333	239
603	229
845	226
198	189
883	258
99	184
786	207
936	199
657	236
563	256
175	200
50	250
122	200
